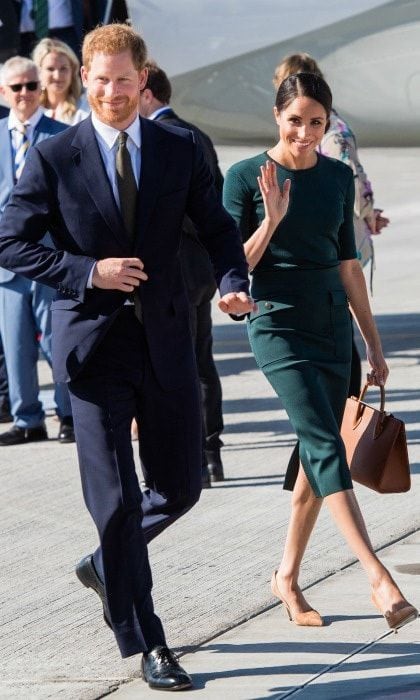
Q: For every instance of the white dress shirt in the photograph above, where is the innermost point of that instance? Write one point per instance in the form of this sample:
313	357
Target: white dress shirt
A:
59	14
107	137
27	23
14	124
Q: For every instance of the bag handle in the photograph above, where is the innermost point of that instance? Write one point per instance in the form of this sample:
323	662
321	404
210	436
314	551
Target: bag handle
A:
381	415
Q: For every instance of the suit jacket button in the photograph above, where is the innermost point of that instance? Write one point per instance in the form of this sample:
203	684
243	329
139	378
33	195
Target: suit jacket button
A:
268	305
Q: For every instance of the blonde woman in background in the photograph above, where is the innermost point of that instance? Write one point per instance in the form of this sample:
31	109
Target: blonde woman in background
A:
340	142
59	74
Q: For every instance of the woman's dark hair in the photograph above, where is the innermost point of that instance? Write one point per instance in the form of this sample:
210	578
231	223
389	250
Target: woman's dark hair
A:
304	85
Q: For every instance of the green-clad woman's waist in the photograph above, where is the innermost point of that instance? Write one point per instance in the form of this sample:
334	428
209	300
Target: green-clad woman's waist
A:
273	283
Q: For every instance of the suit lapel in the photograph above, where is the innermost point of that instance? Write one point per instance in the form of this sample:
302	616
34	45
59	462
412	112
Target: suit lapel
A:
39	129
153	162
87	156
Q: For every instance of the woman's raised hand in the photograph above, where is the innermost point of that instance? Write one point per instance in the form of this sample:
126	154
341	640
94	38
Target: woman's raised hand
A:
276	200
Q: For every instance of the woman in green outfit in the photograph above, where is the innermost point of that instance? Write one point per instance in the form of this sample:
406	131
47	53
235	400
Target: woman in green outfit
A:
295	211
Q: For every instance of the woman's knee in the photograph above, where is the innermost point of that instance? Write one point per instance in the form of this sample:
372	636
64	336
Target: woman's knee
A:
303	494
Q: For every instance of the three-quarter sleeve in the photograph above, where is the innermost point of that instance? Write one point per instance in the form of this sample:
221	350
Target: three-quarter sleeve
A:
346	240
237	199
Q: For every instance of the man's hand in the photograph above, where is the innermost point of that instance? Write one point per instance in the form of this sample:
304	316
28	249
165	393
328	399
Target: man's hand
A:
124	274
236	303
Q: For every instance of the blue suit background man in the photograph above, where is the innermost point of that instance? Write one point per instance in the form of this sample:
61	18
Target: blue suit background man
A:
5	416
121	332
25	305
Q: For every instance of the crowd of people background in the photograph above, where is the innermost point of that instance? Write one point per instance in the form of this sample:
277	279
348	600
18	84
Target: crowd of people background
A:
268	197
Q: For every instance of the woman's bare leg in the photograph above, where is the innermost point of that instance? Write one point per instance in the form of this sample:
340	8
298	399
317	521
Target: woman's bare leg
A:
347	515
305	510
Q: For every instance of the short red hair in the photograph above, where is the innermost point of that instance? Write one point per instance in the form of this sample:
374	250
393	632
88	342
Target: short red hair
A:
114	39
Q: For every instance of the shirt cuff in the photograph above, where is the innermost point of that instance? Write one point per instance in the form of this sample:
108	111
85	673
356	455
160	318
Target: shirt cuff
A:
89	284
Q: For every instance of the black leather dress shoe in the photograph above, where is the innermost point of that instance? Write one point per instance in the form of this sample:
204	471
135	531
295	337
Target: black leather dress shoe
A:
19	436
214	465
86	573
161	670
66	432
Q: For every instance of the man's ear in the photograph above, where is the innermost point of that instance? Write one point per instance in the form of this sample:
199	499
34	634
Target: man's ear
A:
83	75
148	95
143	75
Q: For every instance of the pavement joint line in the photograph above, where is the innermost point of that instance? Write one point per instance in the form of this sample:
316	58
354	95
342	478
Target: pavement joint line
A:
110	691
194	648
333	667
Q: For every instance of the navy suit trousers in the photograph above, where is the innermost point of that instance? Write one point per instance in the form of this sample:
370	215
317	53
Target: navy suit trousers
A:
116	384
211	388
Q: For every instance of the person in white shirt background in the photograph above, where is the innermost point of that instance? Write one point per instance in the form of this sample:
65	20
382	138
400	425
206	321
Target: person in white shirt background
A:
61	19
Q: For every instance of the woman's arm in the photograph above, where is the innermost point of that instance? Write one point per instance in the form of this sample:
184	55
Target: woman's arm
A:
276	202
355	286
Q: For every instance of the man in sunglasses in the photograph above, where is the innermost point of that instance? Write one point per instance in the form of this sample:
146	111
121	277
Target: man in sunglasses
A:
25	305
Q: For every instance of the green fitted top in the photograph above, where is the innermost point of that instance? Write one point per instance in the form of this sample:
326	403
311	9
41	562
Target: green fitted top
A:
317	231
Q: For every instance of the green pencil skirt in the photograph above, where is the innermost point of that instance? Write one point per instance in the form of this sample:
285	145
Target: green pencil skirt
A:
301	338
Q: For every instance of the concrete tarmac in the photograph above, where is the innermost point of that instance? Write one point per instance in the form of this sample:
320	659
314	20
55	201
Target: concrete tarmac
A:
212	568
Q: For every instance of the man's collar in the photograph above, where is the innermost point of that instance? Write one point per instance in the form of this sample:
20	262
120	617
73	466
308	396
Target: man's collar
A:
161	110
14	121
109	135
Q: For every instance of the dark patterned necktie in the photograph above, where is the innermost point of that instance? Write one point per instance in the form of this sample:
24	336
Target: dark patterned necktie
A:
127	186
40	9
127	190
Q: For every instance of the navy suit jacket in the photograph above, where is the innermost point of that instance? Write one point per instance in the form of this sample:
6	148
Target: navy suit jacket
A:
64	189
45	128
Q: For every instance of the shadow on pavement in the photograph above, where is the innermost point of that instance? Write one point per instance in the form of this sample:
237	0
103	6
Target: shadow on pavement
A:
400	334
251	405
394	656
276	427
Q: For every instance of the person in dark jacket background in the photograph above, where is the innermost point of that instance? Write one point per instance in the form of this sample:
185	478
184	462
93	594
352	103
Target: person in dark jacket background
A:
198	275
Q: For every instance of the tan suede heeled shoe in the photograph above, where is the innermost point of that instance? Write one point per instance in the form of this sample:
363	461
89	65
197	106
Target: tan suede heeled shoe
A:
400	617
311	618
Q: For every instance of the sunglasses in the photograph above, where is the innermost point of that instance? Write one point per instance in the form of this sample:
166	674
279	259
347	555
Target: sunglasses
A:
32	86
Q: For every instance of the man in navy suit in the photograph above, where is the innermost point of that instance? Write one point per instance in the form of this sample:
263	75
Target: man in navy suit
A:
25	305
121	332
